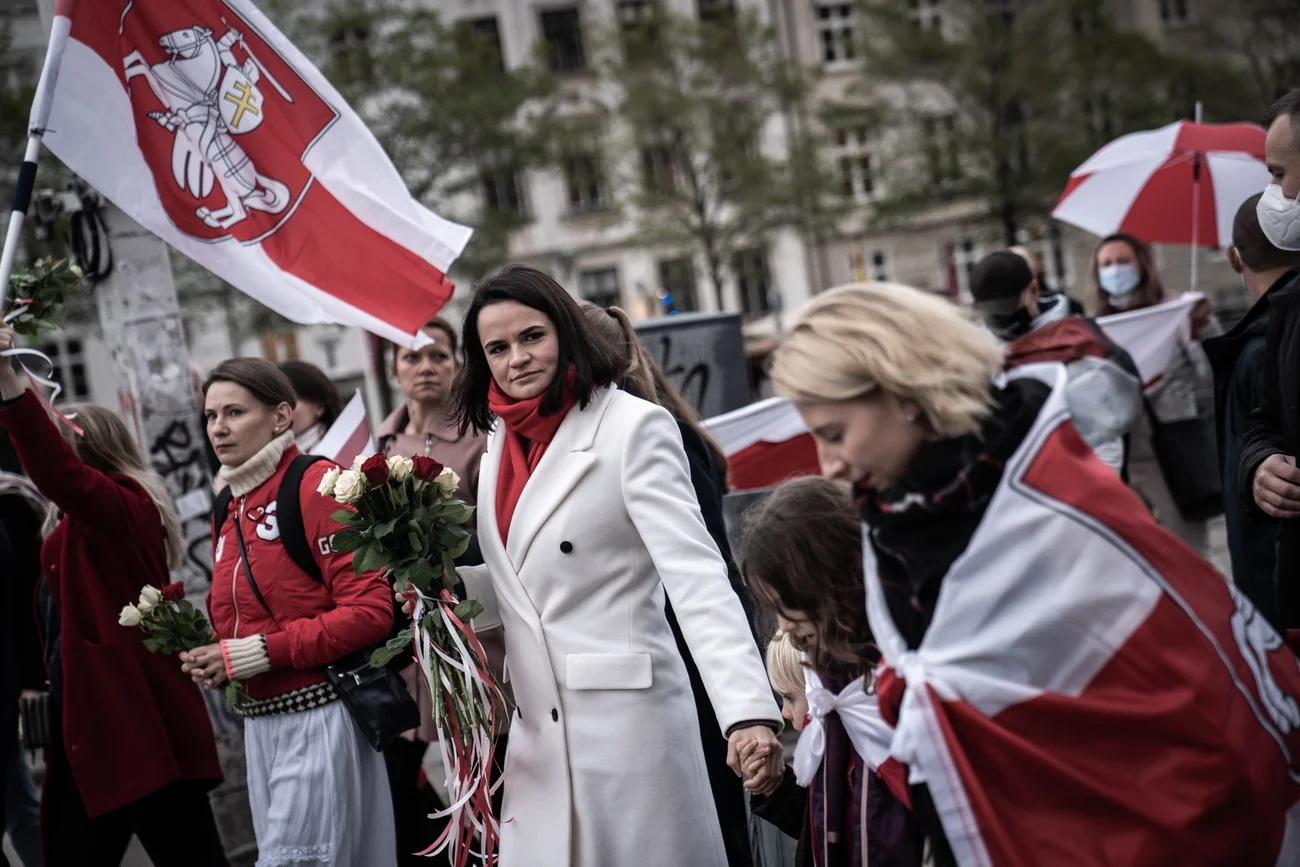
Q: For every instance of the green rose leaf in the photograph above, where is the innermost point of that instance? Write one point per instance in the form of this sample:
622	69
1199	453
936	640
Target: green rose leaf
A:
347	540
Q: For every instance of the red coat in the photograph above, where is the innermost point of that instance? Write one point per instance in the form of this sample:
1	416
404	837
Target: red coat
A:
313	623
132	721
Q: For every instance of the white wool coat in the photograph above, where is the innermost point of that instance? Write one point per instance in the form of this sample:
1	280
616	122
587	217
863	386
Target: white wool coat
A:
605	767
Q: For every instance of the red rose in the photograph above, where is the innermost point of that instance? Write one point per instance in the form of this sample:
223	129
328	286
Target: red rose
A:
375	469
173	592
426	468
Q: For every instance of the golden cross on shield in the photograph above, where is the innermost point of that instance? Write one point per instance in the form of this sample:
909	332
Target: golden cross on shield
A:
243	102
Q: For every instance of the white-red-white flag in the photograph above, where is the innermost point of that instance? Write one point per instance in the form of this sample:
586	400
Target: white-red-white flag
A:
349	437
203	123
1089	690
765	444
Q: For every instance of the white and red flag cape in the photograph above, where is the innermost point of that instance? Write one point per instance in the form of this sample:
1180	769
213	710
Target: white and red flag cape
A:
203	123
1089	690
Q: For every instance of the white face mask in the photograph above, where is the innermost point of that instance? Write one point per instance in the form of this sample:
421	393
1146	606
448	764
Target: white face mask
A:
1119	282
1279	217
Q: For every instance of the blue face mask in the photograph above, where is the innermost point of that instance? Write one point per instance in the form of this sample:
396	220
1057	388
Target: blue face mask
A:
1119	282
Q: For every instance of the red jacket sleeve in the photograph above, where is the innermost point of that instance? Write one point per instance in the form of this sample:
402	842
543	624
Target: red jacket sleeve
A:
363	604
84	494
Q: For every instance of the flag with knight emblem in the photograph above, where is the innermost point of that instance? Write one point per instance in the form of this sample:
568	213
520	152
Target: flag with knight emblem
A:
203	123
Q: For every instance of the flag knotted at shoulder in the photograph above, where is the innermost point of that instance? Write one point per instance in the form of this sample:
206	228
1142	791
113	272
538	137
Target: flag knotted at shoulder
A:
204	124
1089	690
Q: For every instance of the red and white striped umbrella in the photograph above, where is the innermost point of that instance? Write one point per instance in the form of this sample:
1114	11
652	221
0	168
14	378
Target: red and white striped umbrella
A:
1180	184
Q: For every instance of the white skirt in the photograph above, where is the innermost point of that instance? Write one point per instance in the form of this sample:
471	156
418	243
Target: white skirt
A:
318	792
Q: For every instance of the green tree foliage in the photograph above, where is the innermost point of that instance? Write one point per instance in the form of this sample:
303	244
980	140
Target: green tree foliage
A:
697	100
439	98
997	101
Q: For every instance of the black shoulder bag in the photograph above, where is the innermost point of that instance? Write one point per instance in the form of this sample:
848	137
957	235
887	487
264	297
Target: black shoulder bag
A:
376	698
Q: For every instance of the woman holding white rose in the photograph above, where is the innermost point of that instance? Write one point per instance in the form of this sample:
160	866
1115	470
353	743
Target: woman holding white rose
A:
132	751
318	791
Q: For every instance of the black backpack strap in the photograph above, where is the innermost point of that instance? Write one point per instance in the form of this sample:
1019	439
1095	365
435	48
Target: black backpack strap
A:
220	509
288	514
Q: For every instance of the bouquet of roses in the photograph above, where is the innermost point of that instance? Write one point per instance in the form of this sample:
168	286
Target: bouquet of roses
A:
36	295
404	519
173	625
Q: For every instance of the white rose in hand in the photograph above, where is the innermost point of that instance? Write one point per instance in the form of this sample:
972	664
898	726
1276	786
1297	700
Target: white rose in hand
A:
149	597
447	481
130	616
400	468
328	482
349	487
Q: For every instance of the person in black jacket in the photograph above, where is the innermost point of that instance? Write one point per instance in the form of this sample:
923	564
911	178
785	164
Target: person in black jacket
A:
1238	361
1268	459
643	377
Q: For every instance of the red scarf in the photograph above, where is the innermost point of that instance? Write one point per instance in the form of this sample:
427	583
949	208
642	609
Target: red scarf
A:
523	420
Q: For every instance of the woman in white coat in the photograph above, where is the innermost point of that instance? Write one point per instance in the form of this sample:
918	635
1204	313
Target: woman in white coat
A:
586	519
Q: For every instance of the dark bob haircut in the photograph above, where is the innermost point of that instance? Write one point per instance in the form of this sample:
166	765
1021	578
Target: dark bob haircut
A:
310	383
262	379
580	349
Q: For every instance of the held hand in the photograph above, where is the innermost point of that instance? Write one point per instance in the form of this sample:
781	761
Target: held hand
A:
406	595
756	747
1276	487
205	666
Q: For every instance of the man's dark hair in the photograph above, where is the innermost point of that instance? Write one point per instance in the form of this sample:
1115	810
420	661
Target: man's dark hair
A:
1289	106
590	358
1253	246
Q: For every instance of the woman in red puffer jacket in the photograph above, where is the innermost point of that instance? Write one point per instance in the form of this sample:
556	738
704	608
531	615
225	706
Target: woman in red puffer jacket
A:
318	792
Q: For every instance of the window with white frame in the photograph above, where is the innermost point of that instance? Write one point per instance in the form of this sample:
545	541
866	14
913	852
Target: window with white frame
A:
837	26
867	265
926	14
658	168
753	281
966	254
939	137
502	190
856	162
68	355
677	285
1174	12
562	34
584	176
600	286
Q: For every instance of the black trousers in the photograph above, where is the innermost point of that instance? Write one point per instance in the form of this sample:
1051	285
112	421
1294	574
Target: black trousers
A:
174	824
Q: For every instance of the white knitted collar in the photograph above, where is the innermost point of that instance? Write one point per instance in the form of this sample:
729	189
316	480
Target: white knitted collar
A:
246	477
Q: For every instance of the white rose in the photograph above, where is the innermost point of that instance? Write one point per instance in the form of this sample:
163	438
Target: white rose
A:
349	487
400	468
130	616
359	460
328	482
149	597
447	481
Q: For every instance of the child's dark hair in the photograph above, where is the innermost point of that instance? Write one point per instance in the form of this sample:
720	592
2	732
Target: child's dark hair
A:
801	550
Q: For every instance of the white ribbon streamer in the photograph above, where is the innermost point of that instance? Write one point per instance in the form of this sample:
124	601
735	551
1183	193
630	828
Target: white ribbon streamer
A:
860	715
40	379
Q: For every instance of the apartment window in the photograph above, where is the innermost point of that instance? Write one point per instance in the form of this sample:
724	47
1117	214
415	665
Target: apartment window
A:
350	47
600	286
585	178
488	36
939	133
658	175
677	285
69	360
867	265
639	24
562	33
966	254
753	281
713	10
855	160
1174	12
837	28
502	191
926	14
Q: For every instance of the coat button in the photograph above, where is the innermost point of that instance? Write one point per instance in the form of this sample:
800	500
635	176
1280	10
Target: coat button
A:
555	714
566	547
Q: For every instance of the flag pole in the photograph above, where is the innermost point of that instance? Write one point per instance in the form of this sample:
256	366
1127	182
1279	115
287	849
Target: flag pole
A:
40	115
1196	201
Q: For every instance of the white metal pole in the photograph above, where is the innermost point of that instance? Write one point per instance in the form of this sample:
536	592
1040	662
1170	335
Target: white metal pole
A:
40	115
1196	200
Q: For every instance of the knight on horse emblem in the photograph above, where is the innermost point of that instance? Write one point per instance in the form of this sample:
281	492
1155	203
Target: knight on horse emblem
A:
211	99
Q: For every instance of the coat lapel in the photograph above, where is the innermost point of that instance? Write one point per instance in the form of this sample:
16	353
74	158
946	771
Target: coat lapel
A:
567	460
